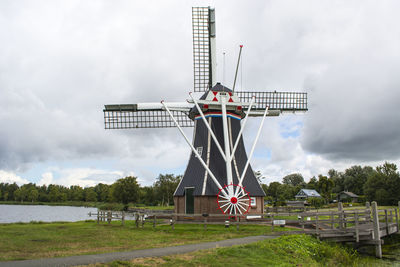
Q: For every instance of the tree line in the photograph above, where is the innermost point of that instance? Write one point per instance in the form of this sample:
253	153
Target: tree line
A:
381	184
124	190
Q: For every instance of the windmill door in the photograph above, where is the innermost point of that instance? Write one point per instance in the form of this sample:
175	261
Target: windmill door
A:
189	200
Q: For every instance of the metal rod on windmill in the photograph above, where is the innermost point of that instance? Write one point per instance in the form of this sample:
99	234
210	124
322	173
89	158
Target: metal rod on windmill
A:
237	67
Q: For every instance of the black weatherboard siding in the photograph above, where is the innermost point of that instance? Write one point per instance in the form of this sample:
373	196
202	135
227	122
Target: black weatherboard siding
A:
195	173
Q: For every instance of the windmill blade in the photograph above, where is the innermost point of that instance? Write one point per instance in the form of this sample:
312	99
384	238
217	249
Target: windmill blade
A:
276	101
146	115
203	26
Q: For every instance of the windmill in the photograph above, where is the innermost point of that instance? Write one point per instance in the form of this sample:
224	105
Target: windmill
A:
218	177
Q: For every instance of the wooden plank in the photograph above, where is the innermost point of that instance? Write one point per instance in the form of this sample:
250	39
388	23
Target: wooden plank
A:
375	216
357	230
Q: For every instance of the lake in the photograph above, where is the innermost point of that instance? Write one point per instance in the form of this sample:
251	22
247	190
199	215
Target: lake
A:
27	213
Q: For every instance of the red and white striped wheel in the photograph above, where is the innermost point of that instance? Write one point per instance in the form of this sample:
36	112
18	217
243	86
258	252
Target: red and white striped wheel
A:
235	201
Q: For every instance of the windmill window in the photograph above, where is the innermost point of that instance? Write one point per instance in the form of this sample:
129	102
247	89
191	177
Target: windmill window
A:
200	150
253	201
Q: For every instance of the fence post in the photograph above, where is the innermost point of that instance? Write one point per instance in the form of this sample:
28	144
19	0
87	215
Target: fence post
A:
357	231
302	223
397	219
340	209
377	237
109	217
316	226
154	221
98	216
123	218
332	221
367	205
272	222
387	222
137	219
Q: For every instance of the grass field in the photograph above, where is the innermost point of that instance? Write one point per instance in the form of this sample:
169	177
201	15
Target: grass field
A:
294	250
42	240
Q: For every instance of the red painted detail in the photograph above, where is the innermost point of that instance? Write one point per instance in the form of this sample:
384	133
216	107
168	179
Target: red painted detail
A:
233	200
239	108
241	45
215	93
230	93
230	100
215	99
205	106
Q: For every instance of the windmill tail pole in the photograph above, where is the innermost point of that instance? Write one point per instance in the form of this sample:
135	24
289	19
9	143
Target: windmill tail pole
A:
194	150
237	67
253	147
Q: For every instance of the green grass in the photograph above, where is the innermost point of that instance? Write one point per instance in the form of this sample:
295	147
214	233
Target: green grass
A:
41	240
295	250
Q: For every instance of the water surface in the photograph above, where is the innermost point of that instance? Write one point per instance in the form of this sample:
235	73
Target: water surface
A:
27	213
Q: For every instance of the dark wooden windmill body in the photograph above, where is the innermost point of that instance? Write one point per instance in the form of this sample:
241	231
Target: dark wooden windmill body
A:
218	177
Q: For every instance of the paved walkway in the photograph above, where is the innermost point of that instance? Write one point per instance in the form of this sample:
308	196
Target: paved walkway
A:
128	255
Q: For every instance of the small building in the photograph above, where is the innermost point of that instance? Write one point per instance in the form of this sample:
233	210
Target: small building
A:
346	196
307	193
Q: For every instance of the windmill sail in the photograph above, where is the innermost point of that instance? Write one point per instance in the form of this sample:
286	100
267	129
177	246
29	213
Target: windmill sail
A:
281	101
130	117
204	57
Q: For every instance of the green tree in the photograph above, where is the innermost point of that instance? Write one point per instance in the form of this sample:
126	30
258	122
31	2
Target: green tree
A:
76	193
33	194
355	177
337	179
148	196
90	195
293	179
273	190
286	192
383	185
102	191
125	190
324	187
312	184
165	187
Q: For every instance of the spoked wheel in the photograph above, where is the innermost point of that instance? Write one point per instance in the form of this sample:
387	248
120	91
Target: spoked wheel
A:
236	201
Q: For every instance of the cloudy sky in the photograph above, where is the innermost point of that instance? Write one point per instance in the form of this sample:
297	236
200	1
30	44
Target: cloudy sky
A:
61	61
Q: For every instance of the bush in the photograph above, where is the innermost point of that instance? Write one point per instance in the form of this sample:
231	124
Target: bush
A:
113	206
316	202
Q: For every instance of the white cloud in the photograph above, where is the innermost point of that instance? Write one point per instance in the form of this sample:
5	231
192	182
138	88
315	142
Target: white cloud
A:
85	176
47	178
10	177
